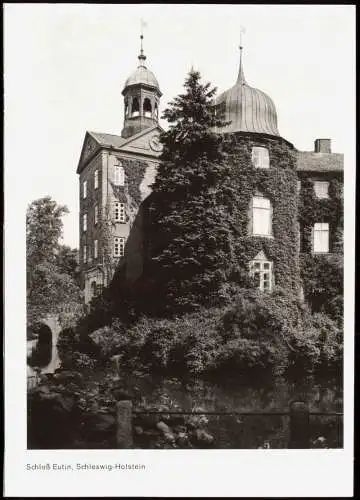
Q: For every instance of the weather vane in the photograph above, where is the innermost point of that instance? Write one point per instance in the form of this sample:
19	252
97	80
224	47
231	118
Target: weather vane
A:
242	32
143	25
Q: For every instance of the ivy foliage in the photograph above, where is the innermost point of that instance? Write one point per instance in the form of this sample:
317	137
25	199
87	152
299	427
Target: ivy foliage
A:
322	275
278	184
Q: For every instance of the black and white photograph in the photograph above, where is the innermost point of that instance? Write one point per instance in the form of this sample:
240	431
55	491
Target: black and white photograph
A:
179	274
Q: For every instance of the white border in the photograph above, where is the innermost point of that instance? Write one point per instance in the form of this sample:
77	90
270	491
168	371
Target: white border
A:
223	473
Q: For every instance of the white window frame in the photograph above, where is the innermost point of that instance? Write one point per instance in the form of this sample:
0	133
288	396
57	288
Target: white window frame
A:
96	179
96	214
321	189
95	249
260	157
84	190
119	175
264	268
321	228
119	212
256	203
119	246
84	254
84	222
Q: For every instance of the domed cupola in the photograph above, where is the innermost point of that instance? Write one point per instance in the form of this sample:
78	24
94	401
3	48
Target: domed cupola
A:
247	108
141	98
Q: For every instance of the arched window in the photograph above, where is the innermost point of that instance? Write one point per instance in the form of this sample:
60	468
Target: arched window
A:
156	111
147	107
126	107
135	108
261	216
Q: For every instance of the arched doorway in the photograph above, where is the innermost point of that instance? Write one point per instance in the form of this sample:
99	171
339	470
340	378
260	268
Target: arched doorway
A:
41	353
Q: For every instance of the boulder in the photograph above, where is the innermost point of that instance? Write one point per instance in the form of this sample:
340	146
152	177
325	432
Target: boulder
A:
163	427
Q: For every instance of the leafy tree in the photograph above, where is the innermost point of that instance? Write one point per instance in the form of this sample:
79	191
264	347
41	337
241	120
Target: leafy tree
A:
50	267
67	259
190	204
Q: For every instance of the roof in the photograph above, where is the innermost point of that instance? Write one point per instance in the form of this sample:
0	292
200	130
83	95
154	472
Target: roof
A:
142	75
320	162
111	140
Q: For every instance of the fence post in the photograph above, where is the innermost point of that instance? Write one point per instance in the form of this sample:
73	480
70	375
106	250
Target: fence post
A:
299	425
124	437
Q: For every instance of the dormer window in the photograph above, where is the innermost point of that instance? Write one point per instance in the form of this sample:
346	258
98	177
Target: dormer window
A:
261	270
147	108
260	157
135	108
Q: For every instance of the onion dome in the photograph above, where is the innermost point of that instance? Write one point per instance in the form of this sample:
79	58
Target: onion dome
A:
142	75
247	108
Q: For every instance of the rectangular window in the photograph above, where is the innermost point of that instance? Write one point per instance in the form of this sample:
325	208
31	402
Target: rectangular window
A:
84	254
260	157
96	214
84	189
261	271
119	246
95	249
321	189
119	175
119	211
84	222
298	186
261	216
96	179
321	237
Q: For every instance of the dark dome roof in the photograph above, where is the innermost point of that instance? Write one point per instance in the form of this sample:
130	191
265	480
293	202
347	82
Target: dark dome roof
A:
142	75
247	108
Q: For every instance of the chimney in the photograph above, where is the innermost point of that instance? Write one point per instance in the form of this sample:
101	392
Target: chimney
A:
323	146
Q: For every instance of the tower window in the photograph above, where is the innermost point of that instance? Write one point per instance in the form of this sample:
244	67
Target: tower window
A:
84	189
96	214
261	216
260	157
95	249
156	111
321	237
119	246
126	107
119	175
119	212
84	222
135	107
96	179
84	254
147	107
261	270
321	189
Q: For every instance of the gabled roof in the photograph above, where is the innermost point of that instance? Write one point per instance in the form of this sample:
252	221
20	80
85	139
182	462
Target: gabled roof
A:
319	162
109	140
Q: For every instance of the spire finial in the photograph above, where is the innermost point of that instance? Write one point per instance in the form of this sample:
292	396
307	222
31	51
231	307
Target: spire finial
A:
142	56
241	78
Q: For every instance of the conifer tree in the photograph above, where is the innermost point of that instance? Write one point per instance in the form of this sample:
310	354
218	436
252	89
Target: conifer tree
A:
191	203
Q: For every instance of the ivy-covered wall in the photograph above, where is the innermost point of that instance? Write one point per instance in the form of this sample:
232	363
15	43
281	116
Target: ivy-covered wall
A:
322	274
279	184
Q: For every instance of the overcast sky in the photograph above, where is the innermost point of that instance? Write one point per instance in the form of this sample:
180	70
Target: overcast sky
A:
65	67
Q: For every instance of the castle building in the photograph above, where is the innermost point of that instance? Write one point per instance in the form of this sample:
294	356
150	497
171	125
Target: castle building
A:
290	204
